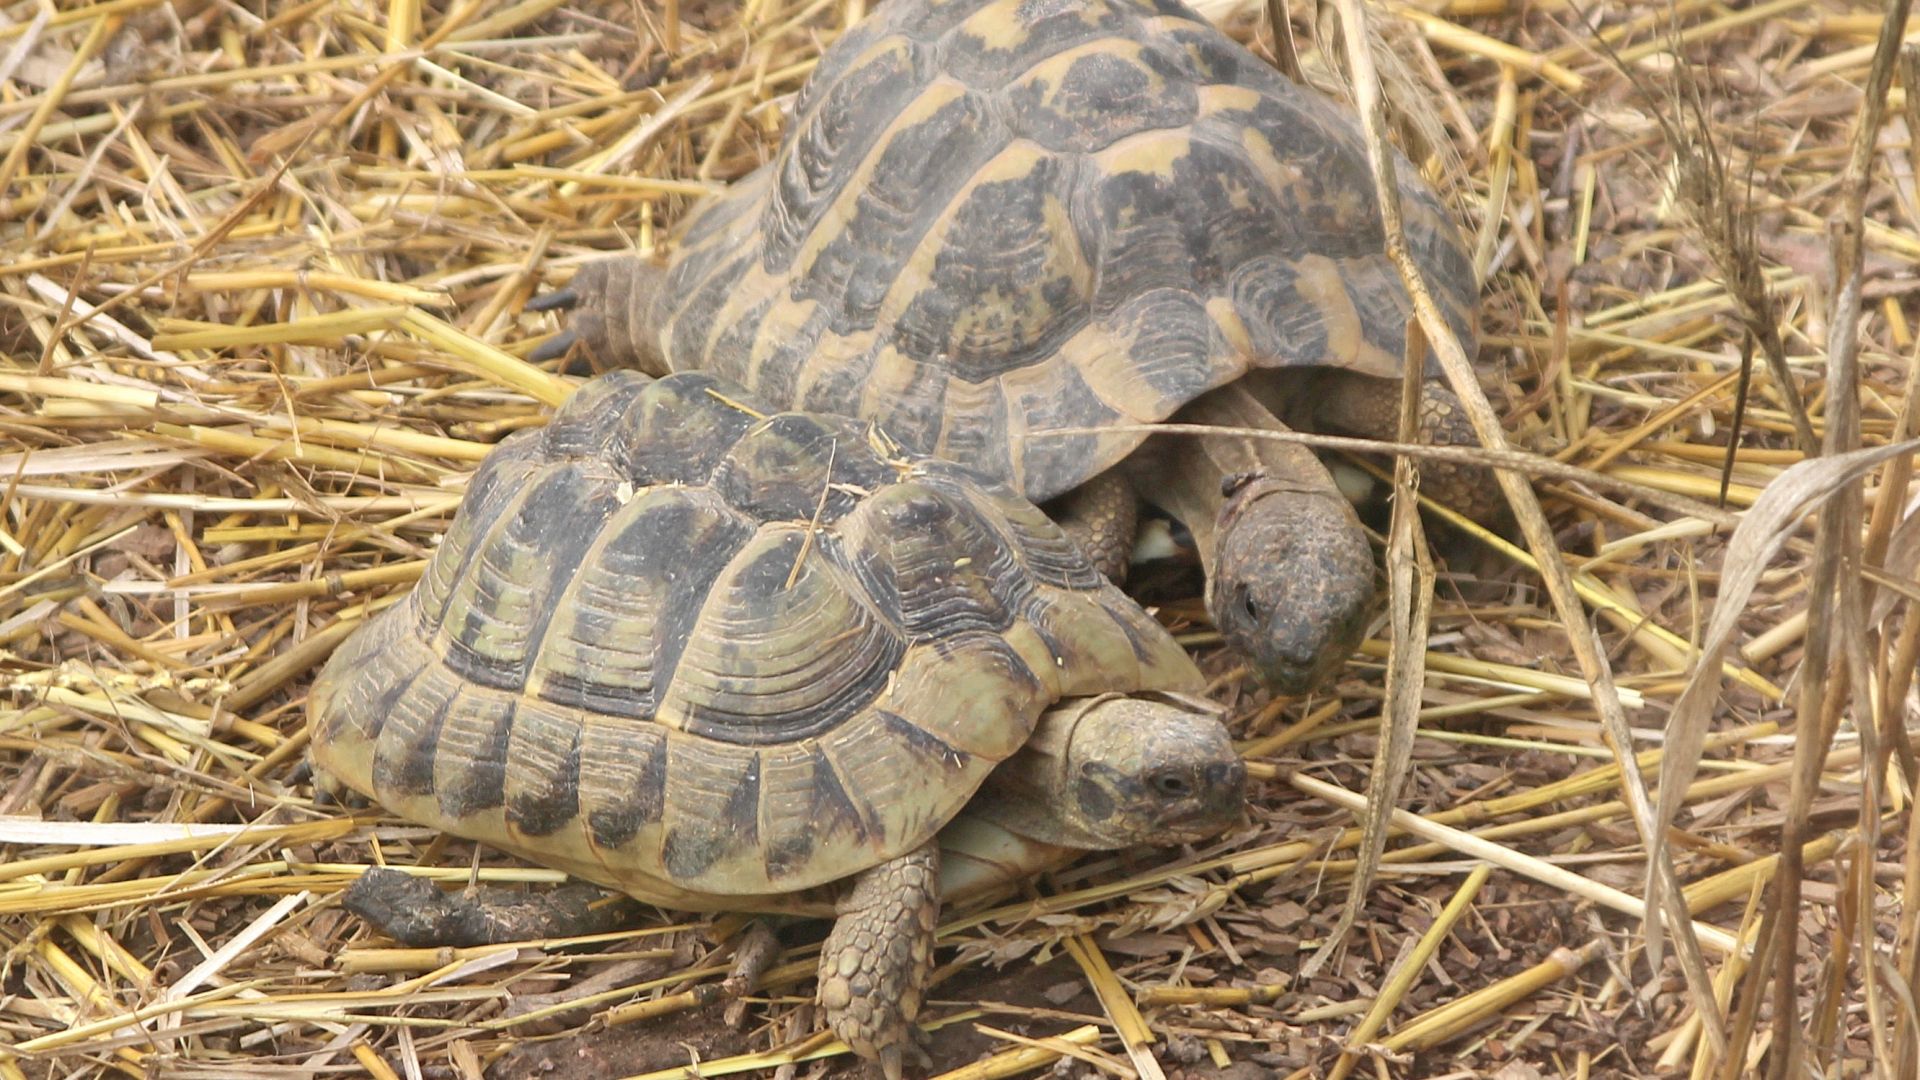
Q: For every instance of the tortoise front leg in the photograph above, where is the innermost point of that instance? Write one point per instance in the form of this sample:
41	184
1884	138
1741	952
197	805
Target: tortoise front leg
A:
877	960
1101	516
1350	403
612	323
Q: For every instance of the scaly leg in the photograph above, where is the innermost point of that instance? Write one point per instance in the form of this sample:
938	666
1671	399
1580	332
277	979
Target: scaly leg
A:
414	911
878	958
1349	403
612	322
1101	516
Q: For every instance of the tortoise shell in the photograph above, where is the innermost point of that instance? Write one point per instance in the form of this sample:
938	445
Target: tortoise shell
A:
996	217
679	646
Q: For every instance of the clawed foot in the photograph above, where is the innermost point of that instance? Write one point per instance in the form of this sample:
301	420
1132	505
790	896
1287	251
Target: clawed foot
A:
877	961
609	322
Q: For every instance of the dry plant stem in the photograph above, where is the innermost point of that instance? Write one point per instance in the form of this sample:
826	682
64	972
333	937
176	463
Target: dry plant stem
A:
103	28
1725	225
1526	509
1467	843
1897	676
1460	1015
1408	972
1410	578
1502	457
1837	559
1286	56
1895	480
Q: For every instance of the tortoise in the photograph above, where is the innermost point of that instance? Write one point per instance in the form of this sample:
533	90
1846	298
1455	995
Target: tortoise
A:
722	658
1017	231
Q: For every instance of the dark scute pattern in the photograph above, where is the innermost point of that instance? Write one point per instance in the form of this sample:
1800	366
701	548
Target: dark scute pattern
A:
680	428
930	751
779	656
1133	623
838	117
797	467
1174	343
623	779
784	353
404	753
1101	96
614	648
704	284
976	429
589	422
499	479
833	382
1187	230
520	568
1051	27
476	733
543	781
1282	324
1213	58
1142	244
978	309
1089	68
731	352
713	829
927	21
1047	552
1381	302
919	166
1054	464
913	408
811	803
368	673
934	564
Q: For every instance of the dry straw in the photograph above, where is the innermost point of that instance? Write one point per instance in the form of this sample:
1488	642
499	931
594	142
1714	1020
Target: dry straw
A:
262	276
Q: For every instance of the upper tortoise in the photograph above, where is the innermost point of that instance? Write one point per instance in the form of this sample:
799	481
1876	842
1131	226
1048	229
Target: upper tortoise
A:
726	660
995	219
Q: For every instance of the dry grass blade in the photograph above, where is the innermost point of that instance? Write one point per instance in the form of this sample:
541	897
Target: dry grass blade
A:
1765	530
238	405
1408	970
1466	843
1410	578
1520	496
1839	606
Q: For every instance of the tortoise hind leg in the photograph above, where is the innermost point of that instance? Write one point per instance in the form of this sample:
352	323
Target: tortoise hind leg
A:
1101	516
414	911
1350	403
612	324
877	960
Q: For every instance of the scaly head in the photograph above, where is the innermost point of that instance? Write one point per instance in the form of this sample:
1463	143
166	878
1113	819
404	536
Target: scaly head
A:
1114	771
1292	584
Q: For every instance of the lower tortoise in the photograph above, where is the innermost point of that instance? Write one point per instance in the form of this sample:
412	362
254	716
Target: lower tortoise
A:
719	657
1022	233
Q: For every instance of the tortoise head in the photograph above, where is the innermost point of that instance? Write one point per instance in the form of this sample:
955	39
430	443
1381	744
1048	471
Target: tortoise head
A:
1292	584
1113	771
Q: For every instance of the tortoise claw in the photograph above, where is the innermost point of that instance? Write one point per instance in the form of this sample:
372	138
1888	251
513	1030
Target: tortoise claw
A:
557	300
554	347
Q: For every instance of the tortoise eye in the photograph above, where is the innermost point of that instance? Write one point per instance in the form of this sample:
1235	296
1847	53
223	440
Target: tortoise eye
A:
1173	785
1248	605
